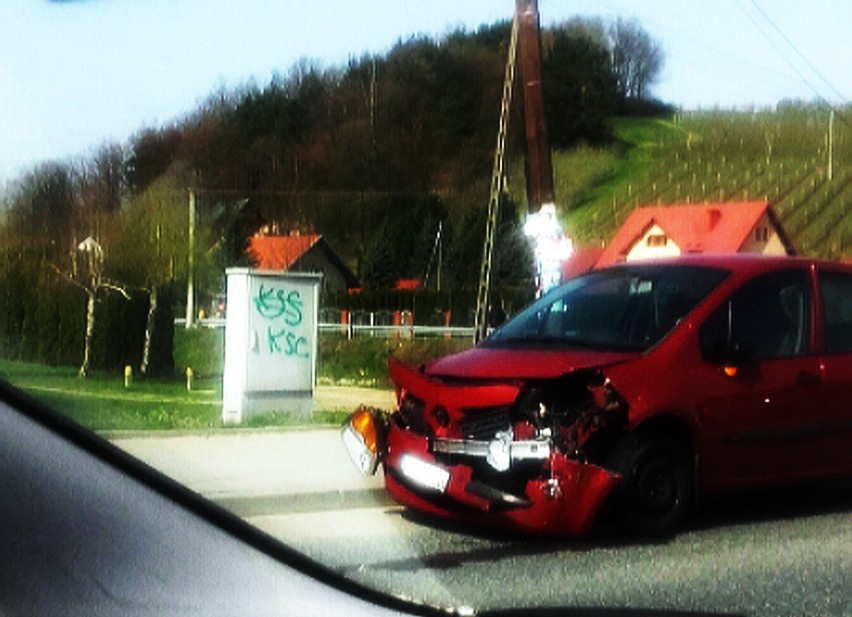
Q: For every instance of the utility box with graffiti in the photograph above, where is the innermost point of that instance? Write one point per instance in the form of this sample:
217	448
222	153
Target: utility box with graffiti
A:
270	343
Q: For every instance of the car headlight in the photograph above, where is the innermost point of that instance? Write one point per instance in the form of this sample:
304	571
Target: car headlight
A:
424	473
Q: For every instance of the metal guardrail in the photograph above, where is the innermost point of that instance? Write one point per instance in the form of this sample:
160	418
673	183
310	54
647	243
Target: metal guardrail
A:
202	323
352	330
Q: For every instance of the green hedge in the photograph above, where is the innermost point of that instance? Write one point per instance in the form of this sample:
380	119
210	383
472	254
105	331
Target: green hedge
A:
361	361
43	319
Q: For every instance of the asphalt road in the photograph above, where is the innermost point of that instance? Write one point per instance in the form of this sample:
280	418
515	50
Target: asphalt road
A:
771	553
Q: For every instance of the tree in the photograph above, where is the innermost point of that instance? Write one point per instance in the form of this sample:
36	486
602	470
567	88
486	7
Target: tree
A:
151	251
87	274
44	211
579	87
513	259
102	181
402	245
101	189
637	59
152	152
515	263
54	206
379	266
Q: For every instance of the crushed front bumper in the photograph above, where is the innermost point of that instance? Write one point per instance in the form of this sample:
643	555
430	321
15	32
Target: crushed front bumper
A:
564	503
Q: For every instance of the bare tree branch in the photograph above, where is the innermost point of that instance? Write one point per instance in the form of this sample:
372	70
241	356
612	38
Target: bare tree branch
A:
114	287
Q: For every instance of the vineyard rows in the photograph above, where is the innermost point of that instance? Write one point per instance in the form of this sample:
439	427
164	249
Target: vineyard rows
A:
781	157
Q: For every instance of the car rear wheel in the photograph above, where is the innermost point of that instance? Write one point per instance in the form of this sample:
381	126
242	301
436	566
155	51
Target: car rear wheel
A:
656	486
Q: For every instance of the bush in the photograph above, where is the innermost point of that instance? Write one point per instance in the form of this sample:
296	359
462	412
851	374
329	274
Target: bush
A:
364	361
202	349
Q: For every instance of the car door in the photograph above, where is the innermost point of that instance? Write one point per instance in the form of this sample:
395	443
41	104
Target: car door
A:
761	383
835	325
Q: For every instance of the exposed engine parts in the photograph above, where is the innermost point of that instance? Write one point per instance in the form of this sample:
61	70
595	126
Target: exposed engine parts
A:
554	416
501	452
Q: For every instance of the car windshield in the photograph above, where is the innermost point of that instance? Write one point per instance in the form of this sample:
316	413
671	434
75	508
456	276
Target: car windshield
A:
227	225
623	309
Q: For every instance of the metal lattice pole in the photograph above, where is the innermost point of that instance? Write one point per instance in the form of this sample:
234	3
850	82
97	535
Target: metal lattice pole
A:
497	178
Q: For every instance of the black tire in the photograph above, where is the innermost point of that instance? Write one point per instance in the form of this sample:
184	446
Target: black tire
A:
656	487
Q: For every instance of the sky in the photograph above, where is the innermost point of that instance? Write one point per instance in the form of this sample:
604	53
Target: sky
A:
77	74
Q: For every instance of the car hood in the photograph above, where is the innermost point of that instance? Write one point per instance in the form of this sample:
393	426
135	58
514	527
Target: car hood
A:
505	364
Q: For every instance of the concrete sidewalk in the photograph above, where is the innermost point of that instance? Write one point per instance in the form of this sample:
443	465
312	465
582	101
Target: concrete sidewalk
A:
255	463
253	471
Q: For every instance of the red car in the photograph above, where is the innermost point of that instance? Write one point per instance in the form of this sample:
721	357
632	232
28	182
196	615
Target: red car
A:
644	385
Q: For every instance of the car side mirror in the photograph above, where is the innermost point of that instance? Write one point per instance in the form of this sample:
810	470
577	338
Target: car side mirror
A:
727	353
735	356
721	346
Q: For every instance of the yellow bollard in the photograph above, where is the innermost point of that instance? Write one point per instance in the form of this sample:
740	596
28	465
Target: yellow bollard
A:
188	378
128	375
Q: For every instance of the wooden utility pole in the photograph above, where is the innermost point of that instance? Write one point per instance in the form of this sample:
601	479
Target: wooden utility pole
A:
539	166
525	48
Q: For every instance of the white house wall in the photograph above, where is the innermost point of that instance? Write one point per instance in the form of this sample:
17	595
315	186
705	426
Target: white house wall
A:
772	245
641	250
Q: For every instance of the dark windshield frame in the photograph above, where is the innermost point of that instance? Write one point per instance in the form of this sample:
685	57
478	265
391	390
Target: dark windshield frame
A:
624	308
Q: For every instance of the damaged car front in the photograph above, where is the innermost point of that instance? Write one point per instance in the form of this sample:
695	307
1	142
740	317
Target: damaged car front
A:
521	431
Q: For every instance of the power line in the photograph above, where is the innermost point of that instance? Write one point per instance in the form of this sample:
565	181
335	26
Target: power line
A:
779	51
798	53
839	111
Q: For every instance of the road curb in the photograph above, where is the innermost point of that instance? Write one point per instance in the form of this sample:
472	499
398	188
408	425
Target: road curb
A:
112	435
297	503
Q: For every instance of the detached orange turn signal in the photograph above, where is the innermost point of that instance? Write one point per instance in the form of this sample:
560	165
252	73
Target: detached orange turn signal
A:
364	437
365	425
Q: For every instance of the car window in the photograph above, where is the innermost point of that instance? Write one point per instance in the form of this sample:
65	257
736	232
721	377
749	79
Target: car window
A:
628	308
767	318
836	291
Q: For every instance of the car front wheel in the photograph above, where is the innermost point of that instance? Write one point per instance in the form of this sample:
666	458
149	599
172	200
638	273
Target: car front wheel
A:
656	486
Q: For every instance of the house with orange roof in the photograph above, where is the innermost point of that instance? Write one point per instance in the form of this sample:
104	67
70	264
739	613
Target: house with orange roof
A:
302	253
666	231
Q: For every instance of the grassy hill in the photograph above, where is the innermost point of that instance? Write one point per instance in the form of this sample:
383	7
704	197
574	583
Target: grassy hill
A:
702	157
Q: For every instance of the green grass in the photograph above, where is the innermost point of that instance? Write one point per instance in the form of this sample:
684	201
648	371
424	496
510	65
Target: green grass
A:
590	182
102	403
